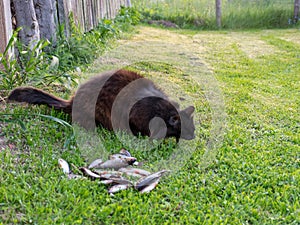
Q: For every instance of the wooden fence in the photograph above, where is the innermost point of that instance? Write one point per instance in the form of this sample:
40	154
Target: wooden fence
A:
86	15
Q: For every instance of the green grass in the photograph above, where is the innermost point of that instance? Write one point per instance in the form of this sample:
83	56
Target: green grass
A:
255	178
236	14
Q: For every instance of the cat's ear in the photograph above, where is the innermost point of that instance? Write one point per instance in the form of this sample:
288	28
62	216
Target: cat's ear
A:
174	120
189	110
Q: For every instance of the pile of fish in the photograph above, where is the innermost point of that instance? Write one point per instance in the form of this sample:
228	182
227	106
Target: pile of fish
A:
112	171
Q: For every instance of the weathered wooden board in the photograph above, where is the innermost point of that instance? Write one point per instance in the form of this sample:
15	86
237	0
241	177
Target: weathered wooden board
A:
5	24
85	13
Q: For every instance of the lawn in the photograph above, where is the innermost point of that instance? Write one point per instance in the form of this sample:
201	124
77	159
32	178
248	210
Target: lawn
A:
243	167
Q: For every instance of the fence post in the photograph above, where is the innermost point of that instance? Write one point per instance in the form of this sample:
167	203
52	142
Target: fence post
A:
63	15
296	10
26	18
5	24
218	13
45	14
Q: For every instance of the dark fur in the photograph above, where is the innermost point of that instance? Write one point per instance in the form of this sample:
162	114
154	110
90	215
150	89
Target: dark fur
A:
99	107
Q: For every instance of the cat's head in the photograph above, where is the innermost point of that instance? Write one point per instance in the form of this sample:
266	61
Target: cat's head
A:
178	124
183	124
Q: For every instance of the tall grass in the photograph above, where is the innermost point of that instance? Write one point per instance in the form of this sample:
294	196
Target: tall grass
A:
236	14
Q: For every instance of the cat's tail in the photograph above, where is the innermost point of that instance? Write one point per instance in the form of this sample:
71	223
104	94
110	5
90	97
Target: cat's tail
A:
38	97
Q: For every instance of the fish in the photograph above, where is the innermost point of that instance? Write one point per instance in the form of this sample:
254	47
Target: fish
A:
64	165
89	173
123	151
106	181
148	180
134	172
95	163
136	163
118	156
150	187
118	187
117	163
121	181
107	175
75	176
122	154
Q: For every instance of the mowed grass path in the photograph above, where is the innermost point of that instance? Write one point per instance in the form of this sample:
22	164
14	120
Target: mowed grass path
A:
255	178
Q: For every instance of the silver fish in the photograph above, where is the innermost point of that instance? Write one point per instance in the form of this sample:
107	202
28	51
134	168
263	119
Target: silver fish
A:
121	181
123	151
75	176
108	172
135	172
117	163
136	163
117	156
120	156
64	165
148	180
109	176
118	187
150	187
111	172
106	181
89	173
95	163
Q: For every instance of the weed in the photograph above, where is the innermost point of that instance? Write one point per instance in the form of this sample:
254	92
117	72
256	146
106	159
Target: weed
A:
45	64
26	67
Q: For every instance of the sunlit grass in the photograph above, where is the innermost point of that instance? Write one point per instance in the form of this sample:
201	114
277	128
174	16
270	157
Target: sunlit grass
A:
255	178
235	14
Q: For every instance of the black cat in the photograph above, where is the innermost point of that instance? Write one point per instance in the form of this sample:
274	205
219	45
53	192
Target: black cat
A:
122	100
